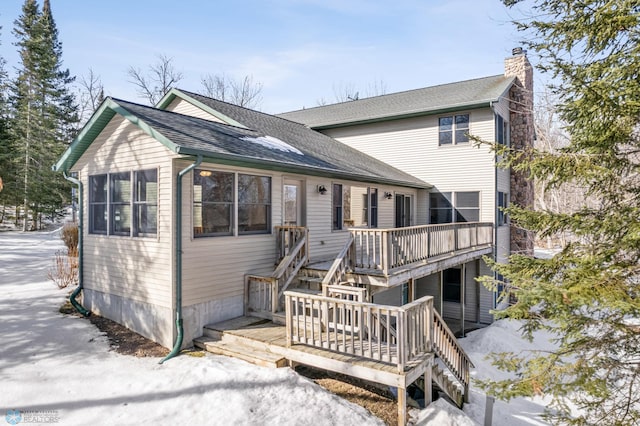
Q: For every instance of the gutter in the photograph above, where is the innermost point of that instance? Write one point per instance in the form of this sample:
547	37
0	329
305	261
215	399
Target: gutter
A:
178	243
81	309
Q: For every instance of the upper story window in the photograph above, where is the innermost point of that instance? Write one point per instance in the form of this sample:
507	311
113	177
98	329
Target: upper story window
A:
453	129
502	130
215	204
124	203
447	207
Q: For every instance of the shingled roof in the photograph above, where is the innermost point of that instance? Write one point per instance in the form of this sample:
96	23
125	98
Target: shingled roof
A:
266	142
429	100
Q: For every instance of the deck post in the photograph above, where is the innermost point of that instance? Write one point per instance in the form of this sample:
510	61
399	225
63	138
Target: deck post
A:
428	397
463	290
402	406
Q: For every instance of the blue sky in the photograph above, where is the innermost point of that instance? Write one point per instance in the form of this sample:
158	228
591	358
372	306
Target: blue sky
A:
301	50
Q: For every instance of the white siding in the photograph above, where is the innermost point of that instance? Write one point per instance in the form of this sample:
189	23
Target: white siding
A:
214	267
412	145
135	268
183	107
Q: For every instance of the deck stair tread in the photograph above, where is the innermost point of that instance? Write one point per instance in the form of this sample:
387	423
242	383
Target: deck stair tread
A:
241	351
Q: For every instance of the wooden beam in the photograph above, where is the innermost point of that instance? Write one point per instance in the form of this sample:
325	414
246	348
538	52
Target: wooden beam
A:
402	406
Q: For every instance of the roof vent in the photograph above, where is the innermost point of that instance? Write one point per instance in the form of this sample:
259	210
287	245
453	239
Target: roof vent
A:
517	51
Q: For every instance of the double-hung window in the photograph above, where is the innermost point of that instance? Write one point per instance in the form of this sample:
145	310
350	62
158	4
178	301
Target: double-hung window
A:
502	130
453	129
124	203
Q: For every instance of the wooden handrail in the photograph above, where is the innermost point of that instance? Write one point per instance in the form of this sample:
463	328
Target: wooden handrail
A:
290	265
386	249
342	263
446	346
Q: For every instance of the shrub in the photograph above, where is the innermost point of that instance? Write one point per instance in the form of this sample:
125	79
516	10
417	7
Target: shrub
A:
69	236
64	271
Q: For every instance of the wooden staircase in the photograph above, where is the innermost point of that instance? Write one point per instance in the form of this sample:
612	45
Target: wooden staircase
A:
256	352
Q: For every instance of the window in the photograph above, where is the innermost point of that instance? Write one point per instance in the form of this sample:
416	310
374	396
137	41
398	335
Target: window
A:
451	280
98	204
453	130
212	203
336	207
214	206
447	207
467	206
503	203
440	207
373	207
502	130
145	204
120	206
254	204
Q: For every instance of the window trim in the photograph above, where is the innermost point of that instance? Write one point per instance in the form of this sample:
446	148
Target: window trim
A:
454	130
453	202
337	210
502	218
109	203
234	205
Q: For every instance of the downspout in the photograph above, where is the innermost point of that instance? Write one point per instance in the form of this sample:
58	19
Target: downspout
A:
178	243
77	291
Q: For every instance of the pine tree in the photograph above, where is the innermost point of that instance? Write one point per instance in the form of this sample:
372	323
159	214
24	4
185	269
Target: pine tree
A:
44	111
588	294
7	174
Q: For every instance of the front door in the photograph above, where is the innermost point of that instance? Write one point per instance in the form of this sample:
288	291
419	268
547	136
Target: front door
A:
293	203
403	210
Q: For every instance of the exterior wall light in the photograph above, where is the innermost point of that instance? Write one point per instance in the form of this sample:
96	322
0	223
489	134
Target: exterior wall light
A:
322	189
388	195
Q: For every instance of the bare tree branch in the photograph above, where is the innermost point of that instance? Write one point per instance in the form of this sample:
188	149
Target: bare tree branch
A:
158	80
245	93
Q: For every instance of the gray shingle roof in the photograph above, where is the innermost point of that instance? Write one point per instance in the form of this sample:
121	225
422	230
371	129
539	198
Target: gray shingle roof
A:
423	101
296	148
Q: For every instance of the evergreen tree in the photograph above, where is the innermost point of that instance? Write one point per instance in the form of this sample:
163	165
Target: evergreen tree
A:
44	111
7	173
588	294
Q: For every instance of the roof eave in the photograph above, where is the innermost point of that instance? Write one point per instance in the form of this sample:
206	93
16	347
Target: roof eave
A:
94	127
234	160
421	113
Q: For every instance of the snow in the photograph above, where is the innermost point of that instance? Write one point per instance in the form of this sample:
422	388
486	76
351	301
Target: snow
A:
272	143
61	366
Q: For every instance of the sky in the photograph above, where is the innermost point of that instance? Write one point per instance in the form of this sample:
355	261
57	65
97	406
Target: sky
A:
301	51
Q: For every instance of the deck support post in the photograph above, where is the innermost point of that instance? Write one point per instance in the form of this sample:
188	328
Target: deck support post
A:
402	406
428	397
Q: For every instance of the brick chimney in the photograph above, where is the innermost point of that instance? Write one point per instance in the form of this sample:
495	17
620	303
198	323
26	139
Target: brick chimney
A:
522	135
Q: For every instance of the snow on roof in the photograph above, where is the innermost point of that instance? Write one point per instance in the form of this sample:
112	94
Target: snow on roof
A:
272	143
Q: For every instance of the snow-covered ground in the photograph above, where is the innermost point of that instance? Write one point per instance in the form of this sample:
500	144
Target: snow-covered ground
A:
60	368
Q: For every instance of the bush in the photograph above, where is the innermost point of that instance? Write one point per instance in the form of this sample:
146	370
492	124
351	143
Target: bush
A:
64	271
69	236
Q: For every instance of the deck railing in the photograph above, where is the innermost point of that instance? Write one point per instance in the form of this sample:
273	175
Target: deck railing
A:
386	249
263	293
341	264
446	346
393	334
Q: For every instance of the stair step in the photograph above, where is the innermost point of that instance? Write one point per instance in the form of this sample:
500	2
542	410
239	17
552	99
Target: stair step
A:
240	351
448	384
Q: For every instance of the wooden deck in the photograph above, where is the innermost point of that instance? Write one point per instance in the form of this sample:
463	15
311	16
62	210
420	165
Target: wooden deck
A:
264	334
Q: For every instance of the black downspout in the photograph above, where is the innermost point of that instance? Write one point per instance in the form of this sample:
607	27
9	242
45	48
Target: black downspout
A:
178	243
77	291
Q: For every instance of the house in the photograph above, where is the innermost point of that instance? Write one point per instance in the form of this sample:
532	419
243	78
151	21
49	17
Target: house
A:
424	132
198	211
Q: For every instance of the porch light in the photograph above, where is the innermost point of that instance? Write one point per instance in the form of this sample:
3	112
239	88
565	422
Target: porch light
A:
205	173
322	189
388	195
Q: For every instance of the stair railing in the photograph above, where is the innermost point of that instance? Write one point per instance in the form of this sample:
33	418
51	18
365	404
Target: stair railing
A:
342	264
446	347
